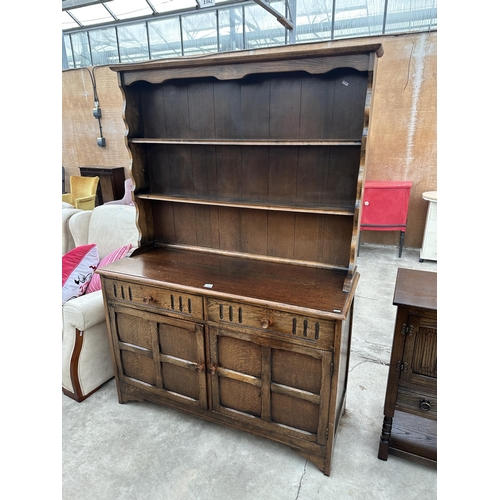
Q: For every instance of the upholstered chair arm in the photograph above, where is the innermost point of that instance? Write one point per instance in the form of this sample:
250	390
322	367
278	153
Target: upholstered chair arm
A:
67	198
67	240
84	312
79	227
86	202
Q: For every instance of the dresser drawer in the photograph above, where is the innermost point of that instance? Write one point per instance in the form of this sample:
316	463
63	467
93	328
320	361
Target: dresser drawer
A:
302	328
155	297
417	403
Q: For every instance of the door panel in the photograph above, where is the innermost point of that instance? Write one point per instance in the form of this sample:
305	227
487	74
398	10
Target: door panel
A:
296	370
174	341
239	395
161	354
180	380
241	356
138	367
420	354
294	412
135	330
287	387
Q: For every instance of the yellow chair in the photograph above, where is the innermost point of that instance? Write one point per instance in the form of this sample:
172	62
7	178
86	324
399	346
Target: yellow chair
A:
83	192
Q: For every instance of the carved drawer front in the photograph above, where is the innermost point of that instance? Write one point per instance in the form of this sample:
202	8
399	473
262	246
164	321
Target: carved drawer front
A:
155	297
301	328
417	403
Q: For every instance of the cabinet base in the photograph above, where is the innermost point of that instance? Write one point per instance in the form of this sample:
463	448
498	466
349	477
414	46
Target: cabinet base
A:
411	437
318	455
414	458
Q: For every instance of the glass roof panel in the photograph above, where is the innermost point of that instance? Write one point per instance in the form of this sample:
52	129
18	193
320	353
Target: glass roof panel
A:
67	21
163	6
96	13
92	14
168	5
126	9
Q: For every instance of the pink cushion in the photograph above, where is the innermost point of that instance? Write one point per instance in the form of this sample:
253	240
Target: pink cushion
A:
95	282
78	266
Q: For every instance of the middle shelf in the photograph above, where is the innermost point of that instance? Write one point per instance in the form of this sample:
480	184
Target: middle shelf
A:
278	207
245	142
320	179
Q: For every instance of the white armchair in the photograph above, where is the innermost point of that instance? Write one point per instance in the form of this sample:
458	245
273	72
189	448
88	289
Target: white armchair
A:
67	240
86	354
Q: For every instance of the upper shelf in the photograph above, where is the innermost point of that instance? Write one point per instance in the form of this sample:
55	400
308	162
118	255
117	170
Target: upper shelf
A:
245	142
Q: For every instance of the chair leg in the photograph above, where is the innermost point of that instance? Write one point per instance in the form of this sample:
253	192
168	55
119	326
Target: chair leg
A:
79	398
77	393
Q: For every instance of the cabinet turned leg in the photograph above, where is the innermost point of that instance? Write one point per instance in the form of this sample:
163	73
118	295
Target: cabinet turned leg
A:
383	449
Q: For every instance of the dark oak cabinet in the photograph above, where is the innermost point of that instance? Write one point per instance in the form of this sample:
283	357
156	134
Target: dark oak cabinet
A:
410	412
111	182
249	172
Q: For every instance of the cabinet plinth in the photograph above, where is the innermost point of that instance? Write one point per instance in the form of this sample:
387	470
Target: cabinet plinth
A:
410	413
237	306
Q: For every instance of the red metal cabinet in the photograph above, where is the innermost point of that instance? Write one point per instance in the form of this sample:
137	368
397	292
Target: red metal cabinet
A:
385	207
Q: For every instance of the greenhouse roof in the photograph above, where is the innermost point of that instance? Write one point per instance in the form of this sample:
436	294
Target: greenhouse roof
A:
87	13
105	32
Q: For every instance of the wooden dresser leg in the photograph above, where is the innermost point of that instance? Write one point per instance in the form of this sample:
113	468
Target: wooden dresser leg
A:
383	449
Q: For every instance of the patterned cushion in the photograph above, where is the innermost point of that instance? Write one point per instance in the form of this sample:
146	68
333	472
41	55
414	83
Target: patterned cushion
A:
95	282
78	267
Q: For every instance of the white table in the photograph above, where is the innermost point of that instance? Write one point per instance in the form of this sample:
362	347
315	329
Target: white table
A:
429	244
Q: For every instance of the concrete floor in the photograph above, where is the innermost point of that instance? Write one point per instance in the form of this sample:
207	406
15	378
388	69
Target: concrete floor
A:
146	452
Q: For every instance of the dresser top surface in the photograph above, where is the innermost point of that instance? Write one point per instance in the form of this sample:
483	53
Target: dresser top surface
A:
273	283
416	289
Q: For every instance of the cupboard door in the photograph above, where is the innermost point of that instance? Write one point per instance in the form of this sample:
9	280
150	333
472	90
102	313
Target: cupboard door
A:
269	384
160	354
419	365
385	206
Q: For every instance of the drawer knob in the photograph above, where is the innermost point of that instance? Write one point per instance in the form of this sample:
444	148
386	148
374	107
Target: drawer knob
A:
425	405
367	203
148	300
266	322
212	370
200	368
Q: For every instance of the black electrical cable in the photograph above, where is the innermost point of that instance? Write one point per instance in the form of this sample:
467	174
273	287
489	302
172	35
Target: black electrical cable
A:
96	98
